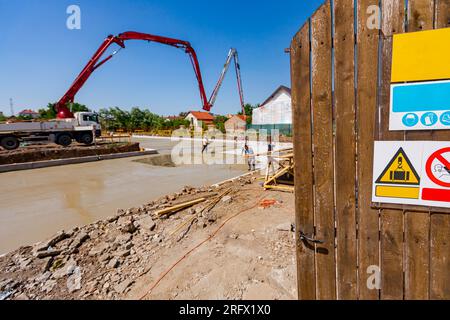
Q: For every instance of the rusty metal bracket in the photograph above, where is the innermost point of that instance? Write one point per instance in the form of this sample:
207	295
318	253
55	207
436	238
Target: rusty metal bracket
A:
304	237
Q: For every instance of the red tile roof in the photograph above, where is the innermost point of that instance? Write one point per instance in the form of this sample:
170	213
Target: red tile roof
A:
28	111
202	116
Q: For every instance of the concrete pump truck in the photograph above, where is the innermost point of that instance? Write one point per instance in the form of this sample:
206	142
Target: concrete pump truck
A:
84	126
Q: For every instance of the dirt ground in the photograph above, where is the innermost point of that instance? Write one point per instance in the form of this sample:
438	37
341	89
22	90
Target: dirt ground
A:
226	247
42	152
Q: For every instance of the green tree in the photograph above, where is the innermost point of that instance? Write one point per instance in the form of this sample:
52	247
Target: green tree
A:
24	117
219	122
76	107
49	112
249	111
135	119
2	117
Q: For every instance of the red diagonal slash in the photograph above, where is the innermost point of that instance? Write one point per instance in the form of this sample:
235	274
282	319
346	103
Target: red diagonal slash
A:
444	162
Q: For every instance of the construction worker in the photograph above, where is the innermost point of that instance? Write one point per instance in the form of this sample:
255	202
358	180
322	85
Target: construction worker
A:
250	157
270	148
205	144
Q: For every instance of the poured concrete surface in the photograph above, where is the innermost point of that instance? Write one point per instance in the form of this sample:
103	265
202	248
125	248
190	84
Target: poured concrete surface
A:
37	203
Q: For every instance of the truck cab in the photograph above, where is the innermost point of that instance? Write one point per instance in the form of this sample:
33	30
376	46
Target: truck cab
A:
88	119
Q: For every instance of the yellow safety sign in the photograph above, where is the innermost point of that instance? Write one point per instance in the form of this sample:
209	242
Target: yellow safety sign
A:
421	56
399	171
399	179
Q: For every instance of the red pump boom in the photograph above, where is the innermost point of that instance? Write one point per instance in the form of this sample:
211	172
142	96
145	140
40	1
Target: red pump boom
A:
61	106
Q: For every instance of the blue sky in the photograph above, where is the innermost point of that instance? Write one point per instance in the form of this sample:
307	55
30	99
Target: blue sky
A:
40	57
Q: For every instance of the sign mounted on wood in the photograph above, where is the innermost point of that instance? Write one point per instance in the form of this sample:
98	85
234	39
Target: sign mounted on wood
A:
420	89
412	172
421	56
420	106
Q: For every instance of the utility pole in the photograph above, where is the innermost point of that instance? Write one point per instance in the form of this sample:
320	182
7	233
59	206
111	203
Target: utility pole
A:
11	105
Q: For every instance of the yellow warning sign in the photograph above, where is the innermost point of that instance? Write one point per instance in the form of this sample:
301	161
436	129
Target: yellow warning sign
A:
421	56
399	171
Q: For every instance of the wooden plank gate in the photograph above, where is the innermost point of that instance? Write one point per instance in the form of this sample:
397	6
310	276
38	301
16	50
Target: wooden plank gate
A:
341	73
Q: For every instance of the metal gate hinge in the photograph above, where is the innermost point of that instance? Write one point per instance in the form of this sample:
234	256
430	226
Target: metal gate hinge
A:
309	239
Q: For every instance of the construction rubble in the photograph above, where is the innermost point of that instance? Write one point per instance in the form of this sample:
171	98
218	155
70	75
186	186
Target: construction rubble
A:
106	259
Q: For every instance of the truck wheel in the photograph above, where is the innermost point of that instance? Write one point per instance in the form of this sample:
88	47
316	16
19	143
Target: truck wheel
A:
64	140
86	138
10	143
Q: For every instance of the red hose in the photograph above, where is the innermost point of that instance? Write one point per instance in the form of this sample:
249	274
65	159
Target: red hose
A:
196	247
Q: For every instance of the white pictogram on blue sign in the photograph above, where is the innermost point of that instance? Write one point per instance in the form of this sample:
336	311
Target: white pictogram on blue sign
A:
410	119
429	119
445	118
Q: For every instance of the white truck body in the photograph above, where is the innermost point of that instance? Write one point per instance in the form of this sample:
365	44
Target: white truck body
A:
78	128
75	124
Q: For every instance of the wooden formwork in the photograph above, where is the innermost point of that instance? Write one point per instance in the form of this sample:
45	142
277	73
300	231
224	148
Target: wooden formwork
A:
280	171
334	133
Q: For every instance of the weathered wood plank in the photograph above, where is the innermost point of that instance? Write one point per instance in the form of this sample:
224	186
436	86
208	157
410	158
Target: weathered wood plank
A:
441	20
440	223
420	17
417	224
417	253
440	257
303	171
344	104
391	220
368	218
391	255
323	151
442	14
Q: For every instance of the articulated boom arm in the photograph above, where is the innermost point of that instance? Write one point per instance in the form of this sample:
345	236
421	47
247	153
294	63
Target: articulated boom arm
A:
61	107
231	54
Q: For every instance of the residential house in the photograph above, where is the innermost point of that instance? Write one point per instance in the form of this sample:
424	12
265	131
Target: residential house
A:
29	113
275	112
200	118
236	123
276	109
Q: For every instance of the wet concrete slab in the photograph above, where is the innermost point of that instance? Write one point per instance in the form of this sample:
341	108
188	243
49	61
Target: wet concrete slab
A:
34	204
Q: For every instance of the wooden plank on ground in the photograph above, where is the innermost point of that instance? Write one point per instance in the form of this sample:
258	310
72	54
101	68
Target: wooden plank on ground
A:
303	170
440	257
323	152
344	77
368	218
441	20
391	220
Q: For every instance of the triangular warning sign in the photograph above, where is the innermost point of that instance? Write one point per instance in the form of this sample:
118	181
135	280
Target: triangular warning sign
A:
399	171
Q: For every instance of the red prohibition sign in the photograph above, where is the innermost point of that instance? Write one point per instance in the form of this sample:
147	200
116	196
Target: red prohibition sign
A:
438	156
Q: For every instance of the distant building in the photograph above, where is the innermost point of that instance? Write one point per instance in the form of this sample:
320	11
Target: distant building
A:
198	118
171	118
236	123
277	109
29	113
